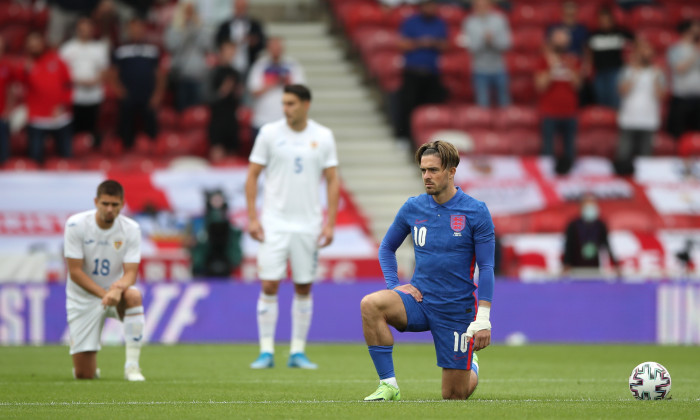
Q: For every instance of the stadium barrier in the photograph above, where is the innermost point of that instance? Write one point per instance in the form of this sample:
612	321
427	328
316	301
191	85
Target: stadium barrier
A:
567	312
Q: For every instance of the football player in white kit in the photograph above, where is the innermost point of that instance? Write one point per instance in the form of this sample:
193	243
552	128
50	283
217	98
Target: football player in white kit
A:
103	252
295	153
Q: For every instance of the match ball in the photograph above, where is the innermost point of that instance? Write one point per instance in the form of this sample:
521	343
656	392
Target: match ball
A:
650	381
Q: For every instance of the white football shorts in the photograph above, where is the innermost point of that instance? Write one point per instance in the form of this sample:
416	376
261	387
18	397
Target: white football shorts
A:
300	249
85	322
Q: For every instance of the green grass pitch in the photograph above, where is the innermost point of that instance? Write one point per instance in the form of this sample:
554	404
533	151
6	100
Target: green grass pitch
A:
214	381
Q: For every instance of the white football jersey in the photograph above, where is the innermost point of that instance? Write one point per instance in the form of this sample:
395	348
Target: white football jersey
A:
294	163
103	252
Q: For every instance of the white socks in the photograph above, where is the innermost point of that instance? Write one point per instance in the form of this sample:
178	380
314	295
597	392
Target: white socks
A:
267	322
391	381
133	334
302	308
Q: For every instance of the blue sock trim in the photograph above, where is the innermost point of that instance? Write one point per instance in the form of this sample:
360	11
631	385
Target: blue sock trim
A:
382	356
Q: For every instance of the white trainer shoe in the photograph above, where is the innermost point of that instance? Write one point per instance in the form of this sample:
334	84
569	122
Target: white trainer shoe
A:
133	373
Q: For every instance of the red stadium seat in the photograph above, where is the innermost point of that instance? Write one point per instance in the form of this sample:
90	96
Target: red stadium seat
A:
456	64
684	11
196	117
516	116
598	142
112	146
40	19
135	163
521	64
61	164
488	142
456	41
198	141
528	15
20	164
452	15
386	68
143	145
522	89
82	144
471	117
523	142
460	90
597	117
376	41
432	117
361	16
98	163
14	14
528	39
18	143
659	38
395	17
689	144
14	37
664	145
644	17
170	143
168	119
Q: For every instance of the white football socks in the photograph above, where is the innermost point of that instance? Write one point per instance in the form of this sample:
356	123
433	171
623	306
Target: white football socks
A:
391	381
302	309
267	322
134	321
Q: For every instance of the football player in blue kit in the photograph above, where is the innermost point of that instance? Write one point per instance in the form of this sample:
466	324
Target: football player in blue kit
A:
452	232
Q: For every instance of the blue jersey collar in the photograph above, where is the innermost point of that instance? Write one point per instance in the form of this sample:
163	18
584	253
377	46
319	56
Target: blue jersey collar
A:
450	203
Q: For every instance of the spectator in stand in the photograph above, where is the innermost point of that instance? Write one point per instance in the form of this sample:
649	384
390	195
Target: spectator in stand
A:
557	78
684	61
87	60
605	58
642	90
585	237
246	32
423	38
64	15
225	83
187	40
266	81
7	76
138	82
488	38
47	85
578	34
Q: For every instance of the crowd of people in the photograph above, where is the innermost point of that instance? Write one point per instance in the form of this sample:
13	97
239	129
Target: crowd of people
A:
98	51
578	66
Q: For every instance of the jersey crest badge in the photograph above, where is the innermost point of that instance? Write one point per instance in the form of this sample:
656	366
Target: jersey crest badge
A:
457	222
118	244
314	144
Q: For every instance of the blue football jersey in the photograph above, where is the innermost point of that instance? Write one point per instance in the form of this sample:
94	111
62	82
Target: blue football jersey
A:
445	238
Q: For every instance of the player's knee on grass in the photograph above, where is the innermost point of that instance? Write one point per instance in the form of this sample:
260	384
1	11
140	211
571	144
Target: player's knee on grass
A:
132	298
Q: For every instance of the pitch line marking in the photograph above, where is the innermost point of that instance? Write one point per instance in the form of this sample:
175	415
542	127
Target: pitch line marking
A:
281	402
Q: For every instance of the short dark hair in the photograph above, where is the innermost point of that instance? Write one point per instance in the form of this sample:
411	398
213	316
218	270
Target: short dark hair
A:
110	187
685	25
300	91
448	154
